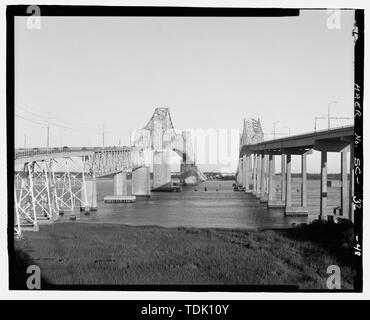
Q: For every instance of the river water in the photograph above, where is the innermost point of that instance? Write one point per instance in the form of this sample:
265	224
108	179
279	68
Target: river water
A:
224	208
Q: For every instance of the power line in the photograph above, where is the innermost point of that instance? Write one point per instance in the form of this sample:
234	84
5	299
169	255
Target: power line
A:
31	120
71	124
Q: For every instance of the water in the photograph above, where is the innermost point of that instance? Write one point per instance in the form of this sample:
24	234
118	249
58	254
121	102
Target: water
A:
189	208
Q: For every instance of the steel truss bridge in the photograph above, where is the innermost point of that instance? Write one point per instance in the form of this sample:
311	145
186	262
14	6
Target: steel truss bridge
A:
49	180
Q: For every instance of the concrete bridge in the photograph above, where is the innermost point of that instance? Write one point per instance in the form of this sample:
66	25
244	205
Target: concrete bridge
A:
256	170
49	181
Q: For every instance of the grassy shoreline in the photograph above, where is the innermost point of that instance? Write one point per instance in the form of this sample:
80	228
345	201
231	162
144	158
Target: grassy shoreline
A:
84	253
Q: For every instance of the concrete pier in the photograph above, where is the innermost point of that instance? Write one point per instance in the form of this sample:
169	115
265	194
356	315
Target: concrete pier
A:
302	209
120	190
273	202
263	196
258	176
244	170
254	175
246	173
141	182
288	188
120	184
271	190
161	170
304	182
323	186
89	194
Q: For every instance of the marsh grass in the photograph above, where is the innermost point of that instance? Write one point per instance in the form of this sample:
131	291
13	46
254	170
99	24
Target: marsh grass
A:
82	253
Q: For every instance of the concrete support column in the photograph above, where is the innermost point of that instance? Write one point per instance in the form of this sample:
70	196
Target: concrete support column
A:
351	183
304	181
302	209
250	168
258	186
89	194
120	190
247	173
141	182
263	196
272	201
120	186
271	191
288	192
323	186
283	178
161	170
254	174
266	175
244	170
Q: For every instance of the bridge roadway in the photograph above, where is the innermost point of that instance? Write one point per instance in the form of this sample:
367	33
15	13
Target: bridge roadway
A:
24	155
257	167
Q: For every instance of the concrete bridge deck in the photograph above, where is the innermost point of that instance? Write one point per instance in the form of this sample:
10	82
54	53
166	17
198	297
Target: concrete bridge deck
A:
257	167
334	139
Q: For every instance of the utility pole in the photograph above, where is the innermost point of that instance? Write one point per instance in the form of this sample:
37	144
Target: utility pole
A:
329	113
275	128
130	137
48	133
25	139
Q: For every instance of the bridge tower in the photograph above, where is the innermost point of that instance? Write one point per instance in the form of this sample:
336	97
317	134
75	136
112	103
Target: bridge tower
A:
160	136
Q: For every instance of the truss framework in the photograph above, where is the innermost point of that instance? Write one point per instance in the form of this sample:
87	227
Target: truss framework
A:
41	192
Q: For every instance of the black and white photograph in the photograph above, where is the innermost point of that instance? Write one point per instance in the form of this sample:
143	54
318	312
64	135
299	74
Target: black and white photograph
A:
191	149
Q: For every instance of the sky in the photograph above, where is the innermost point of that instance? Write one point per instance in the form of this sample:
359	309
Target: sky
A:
89	72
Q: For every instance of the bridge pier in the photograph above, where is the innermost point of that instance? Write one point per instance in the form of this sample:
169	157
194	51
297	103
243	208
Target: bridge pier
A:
89	195
248	174
243	167
271	190
141	182
254	174
302	209
258	174
120	190
263	197
120	184
161	171
323	186
273	202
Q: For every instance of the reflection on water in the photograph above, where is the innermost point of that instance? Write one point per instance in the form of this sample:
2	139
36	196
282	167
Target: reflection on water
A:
221	209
